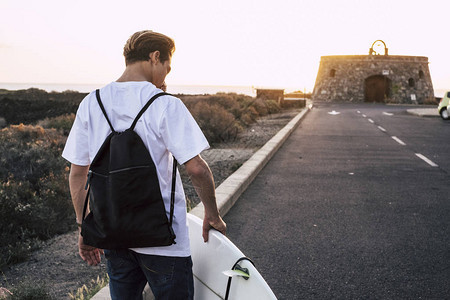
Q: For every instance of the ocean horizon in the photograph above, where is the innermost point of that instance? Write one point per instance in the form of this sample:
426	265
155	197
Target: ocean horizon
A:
173	89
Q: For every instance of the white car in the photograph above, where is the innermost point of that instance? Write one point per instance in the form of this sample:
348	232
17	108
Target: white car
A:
444	105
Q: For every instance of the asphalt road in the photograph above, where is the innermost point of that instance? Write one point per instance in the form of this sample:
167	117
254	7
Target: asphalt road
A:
355	205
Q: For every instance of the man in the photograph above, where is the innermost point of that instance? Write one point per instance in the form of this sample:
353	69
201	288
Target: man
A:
167	128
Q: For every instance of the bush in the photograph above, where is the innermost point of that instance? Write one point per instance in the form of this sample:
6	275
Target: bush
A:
222	116
32	105
29	111
218	125
30	291
34	195
61	123
89	291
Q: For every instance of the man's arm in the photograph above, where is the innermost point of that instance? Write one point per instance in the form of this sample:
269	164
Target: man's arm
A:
77	182
203	182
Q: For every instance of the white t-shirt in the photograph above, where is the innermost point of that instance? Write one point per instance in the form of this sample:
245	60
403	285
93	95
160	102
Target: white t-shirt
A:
166	127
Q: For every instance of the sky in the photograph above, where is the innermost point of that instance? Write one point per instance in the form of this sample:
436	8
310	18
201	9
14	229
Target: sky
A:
257	43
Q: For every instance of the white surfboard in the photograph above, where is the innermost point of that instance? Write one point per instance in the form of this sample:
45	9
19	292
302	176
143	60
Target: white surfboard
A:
218	260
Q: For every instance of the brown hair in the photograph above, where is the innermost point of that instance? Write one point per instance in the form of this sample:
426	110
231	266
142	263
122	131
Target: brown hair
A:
142	43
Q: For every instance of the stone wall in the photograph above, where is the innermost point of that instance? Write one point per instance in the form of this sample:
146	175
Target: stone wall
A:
374	78
270	94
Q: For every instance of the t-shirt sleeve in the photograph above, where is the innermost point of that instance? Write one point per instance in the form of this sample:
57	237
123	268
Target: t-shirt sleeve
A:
181	133
76	150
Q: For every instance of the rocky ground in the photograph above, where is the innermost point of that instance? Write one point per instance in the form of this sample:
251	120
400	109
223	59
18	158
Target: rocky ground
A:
57	267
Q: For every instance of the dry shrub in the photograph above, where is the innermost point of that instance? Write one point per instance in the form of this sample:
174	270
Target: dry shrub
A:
34	196
62	123
28	290
16	111
222	116
217	124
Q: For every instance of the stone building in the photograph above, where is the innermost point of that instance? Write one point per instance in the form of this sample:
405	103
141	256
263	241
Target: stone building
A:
374	78
270	94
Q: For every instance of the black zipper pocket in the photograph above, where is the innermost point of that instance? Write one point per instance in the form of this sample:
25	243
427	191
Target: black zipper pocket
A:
89	177
128	169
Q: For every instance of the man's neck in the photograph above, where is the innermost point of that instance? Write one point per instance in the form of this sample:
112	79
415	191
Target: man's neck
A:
133	72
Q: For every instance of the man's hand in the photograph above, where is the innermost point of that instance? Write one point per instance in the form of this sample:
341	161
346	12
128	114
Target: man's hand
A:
203	182
163	87
217	224
89	254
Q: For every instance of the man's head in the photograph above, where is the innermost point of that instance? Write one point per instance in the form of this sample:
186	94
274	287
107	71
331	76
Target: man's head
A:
142	43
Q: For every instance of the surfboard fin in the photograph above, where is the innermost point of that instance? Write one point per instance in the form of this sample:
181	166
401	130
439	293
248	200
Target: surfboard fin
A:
238	271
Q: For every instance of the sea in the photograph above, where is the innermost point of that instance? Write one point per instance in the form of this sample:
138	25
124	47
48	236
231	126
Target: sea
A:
173	89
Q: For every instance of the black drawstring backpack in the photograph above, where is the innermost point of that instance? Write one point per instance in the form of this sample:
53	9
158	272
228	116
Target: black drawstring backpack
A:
126	206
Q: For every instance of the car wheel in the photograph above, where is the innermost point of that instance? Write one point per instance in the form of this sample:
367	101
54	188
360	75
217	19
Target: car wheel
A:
444	114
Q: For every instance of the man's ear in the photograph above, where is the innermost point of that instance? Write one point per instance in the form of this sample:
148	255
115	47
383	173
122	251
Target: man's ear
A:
154	56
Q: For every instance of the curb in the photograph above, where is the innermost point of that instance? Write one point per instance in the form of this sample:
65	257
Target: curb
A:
423	112
229	191
103	294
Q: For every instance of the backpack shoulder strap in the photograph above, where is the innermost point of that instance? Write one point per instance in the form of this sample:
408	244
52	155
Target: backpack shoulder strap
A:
97	93
175	163
172	193
146	106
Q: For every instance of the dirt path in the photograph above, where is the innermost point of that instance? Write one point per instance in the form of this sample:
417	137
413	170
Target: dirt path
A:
57	266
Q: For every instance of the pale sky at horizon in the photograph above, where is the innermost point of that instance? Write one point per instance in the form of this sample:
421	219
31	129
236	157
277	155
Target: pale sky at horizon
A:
235	42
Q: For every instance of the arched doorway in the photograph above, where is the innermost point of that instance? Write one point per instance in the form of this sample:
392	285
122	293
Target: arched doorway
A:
377	88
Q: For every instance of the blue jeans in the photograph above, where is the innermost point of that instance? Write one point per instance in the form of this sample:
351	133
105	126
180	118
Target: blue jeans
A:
168	277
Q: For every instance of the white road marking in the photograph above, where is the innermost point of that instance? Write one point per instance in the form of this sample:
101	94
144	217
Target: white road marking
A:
398	140
371	121
334	113
387	114
381	128
358	111
428	161
364	115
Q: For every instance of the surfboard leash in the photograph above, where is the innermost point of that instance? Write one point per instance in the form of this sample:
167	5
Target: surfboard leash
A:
236	266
